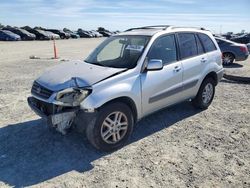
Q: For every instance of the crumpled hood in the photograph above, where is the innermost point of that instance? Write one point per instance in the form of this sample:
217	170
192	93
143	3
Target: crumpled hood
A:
75	74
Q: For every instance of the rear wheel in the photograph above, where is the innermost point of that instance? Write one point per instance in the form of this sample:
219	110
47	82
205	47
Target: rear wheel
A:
228	58
205	94
112	128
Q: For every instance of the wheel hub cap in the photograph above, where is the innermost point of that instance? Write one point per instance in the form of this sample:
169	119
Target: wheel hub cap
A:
114	127
227	59
207	93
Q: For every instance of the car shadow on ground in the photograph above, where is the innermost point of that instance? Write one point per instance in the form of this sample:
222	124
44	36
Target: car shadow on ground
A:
31	154
235	82
233	65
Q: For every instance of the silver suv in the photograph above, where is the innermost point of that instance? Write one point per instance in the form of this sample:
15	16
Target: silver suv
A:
127	77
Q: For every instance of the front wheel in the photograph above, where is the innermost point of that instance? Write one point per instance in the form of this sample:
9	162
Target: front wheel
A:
205	94
112	128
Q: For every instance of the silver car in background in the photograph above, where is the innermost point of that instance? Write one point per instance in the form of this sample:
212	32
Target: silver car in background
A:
52	35
128	76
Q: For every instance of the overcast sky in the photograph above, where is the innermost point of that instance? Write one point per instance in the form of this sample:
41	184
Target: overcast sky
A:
216	15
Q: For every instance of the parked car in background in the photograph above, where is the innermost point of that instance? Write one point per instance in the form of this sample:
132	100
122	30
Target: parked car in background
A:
40	34
126	78
244	39
232	51
106	33
248	46
116	32
44	35
84	34
61	33
228	36
6	35
72	34
25	35
52	35
96	33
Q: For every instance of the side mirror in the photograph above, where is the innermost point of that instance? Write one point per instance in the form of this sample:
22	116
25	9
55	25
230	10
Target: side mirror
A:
154	64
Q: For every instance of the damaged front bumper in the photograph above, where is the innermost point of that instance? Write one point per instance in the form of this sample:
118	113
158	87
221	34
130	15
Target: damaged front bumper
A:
56	116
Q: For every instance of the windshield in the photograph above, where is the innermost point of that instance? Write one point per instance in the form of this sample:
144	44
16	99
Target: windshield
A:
8	32
119	51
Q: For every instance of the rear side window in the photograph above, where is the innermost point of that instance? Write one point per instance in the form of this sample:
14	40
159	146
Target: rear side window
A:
199	46
207	42
187	44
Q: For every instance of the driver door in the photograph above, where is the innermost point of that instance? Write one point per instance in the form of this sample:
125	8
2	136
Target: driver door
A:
162	87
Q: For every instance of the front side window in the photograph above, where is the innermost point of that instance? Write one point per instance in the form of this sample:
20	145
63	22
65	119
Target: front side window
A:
207	42
119	51
187	44
164	49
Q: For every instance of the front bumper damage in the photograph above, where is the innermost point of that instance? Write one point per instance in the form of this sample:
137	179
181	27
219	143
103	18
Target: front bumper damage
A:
55	116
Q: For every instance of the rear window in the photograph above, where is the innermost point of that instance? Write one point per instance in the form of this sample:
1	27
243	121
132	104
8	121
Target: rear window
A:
220	41
187	44
207	42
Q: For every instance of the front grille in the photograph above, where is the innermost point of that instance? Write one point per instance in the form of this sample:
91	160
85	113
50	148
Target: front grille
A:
41	91
44	107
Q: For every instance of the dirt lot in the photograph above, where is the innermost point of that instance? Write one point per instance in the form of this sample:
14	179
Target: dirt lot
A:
176	147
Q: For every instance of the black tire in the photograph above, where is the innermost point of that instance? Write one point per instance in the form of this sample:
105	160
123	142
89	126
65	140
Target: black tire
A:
228	58
93	130
199	101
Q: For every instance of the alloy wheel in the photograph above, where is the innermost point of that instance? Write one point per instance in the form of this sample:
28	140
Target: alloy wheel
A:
207	93
114	127
227	59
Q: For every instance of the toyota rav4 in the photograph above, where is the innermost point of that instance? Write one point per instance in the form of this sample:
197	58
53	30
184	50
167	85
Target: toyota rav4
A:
128	76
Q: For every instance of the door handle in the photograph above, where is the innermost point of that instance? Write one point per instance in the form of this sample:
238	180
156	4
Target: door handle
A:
203	60
177	68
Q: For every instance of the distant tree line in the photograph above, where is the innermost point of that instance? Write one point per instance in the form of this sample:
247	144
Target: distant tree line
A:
1	26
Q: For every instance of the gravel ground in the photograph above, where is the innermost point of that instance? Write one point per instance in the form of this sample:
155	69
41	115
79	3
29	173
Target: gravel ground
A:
176	147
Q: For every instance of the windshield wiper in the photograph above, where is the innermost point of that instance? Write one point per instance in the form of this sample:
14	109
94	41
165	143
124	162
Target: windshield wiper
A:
95	63
87	61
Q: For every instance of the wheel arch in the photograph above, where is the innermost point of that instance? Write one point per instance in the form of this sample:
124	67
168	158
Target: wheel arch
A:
229	52
212	75
126	100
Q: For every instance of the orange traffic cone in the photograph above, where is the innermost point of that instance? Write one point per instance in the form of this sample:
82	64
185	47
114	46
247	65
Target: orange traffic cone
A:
55	51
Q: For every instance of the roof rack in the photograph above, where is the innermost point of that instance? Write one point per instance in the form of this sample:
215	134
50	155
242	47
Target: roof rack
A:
179	27
163	27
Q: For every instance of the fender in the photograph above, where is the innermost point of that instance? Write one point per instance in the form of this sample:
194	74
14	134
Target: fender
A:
110	89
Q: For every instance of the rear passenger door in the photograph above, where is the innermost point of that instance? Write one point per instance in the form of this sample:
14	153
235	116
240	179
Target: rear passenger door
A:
193	58
213	56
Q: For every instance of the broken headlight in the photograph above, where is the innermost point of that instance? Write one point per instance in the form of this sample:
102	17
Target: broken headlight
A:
72	96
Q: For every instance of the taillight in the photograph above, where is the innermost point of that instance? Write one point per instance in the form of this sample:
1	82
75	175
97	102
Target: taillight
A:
243	48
